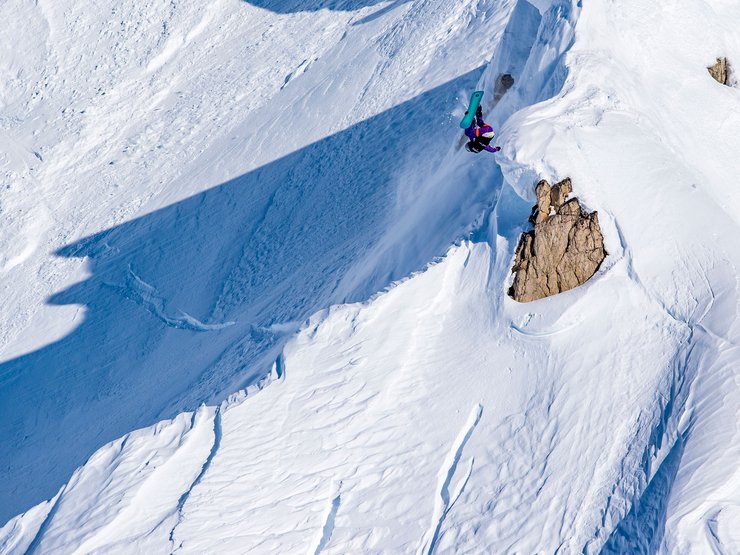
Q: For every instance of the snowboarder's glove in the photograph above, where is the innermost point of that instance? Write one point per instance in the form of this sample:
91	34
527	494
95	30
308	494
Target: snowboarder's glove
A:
479	111
496	148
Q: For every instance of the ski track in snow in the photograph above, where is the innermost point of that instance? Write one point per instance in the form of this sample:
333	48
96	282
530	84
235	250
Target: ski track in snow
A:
331	513
445	500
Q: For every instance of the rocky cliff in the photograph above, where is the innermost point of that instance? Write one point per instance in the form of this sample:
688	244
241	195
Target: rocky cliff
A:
564	249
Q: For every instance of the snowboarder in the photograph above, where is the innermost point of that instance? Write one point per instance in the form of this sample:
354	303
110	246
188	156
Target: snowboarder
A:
480	135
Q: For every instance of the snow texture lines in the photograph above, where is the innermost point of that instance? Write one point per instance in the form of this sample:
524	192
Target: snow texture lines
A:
444	500
331	514
217	434
146	295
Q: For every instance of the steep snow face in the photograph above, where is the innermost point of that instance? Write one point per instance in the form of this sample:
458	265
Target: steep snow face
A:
648	137
185	184
441	416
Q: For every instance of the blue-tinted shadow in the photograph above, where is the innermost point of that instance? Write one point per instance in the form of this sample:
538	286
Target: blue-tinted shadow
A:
194	301
641	531
293	6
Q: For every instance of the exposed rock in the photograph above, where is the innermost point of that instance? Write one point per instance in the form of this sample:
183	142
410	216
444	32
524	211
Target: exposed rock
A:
503	83
564	249
541	210
720	71
559	193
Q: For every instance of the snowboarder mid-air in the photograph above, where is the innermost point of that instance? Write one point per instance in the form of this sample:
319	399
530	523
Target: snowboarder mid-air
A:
480	135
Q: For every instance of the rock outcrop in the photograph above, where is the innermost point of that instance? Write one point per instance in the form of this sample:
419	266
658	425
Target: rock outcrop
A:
504	82
564	249
720	71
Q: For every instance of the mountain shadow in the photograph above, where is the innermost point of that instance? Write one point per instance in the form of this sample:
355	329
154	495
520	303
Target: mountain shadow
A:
194	301
293	6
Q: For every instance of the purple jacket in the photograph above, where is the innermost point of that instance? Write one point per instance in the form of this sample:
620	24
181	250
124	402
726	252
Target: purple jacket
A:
478	128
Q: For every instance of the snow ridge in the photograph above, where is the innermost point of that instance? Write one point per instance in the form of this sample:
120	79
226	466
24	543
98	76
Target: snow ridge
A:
444	501
331	514
33	546
186	494
147	296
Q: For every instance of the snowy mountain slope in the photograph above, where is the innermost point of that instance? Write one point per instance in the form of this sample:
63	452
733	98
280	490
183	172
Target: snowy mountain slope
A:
441	416
193	299
652	142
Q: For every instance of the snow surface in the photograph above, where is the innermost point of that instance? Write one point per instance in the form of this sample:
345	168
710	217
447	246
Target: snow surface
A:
244	205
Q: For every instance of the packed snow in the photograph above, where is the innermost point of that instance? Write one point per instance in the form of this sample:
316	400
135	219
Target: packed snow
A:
254	291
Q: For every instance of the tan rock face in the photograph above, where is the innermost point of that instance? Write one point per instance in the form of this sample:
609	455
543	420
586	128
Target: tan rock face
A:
564	249
720	71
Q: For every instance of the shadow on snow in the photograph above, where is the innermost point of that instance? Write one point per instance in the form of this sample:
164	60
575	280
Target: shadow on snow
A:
194	301
293	6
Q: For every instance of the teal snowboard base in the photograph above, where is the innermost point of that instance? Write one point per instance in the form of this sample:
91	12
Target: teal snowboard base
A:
467	121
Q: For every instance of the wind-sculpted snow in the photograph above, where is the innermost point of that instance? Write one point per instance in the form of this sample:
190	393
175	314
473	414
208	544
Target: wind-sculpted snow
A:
437	415
326	531
185	297
446	500
289	6
192	301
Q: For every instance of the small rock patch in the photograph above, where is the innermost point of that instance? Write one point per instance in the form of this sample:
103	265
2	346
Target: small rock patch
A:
720	71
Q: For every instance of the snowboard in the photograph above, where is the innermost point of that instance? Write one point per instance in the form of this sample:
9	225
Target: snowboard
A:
467	121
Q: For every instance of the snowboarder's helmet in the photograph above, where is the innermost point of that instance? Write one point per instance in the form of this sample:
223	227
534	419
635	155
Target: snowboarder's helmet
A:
469	147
